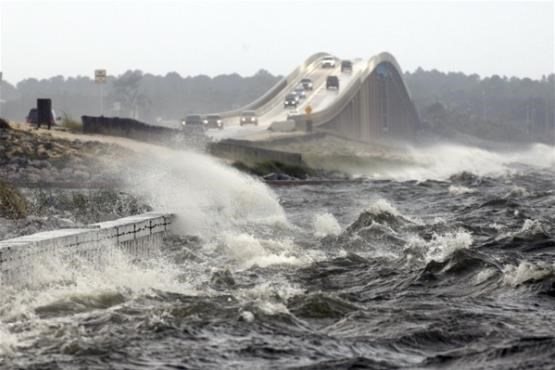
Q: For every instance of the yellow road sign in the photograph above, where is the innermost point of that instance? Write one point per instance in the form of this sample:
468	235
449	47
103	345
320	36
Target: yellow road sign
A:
308	109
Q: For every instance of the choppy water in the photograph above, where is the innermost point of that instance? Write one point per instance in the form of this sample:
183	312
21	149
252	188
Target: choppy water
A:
448	269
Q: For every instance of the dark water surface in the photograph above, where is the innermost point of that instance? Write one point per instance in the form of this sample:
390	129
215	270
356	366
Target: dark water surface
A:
377	274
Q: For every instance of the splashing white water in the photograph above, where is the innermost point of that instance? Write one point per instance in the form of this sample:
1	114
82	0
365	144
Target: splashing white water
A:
484	275
271	296
325	224
382	206
525	271
517	191
209	197
249	251
531	227
436	162
218	203
247	316
62	286
459	190
7	342
441	246
82	281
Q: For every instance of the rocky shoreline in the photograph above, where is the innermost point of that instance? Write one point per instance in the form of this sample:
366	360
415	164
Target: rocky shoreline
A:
63	179
47	182
34	157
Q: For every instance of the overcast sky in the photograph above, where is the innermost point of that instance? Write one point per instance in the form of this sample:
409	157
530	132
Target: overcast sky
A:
46	38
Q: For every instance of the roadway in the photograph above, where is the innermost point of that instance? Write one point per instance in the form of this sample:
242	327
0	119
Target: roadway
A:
319	98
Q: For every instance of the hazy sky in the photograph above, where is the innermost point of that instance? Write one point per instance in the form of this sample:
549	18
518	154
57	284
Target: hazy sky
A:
46	38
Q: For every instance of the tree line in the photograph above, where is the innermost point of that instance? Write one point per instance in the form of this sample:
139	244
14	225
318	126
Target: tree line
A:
135	94
495	107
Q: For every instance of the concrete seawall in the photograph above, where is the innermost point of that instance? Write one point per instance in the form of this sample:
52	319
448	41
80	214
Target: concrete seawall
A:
249	153
129	128
135	235
132	129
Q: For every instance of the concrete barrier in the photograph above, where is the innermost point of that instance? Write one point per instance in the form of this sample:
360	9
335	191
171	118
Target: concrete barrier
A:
136	235
248	153
136	130
283	126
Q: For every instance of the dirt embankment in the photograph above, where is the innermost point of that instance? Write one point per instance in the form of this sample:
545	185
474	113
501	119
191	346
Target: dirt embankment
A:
31	157
53	179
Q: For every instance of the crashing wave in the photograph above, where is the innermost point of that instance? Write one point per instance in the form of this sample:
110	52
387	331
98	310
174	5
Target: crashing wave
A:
381	212
459	190
325	224
439	247
526	272
517	192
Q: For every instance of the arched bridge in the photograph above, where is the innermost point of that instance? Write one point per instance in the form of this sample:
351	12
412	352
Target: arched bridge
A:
372	103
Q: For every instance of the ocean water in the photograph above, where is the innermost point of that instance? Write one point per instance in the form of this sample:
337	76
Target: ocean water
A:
444	258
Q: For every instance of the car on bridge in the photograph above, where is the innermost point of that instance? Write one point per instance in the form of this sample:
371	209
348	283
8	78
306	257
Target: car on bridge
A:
248	117
299	91
346	66
192	120
332	82
328	62
291	101
213	121
307	84
192	125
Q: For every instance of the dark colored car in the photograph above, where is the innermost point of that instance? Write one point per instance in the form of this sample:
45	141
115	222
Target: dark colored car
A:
299	91
33	117
346	66
214	121
291	101
192	120
248	117
332	82
307	84
192	125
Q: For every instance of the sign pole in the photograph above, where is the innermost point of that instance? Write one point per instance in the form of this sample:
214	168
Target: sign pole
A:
100	78
308	118
1	101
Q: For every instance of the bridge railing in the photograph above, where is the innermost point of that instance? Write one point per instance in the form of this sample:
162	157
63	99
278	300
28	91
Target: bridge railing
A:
261	104
335	108
325	115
